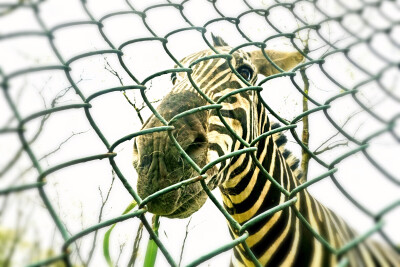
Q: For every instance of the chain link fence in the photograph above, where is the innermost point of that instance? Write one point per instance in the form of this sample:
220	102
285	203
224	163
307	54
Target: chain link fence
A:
323	15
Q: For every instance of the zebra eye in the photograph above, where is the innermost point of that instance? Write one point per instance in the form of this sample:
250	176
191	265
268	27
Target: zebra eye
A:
246	72
173	78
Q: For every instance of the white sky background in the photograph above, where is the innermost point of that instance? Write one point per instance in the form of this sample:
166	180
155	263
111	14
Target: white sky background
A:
74	191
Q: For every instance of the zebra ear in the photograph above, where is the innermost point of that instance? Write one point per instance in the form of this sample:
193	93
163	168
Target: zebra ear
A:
284	60
218	41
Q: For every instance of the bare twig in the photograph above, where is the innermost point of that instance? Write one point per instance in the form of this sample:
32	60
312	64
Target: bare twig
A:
103	203
43	120
318	150
112	71
61	144
305	137
18	154
332	146
184	241
55	150
134	107
78	243
63	92
121	249
136	245
137	108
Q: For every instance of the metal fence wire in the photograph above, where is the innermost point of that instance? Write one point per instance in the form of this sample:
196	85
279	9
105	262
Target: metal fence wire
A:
325	17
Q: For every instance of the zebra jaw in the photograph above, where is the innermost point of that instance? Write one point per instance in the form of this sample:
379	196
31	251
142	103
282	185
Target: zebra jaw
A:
159	163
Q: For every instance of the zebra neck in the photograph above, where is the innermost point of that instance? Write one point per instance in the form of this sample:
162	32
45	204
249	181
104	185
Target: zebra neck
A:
280	239
247	192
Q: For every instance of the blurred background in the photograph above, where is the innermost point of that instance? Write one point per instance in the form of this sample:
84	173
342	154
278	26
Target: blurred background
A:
39	41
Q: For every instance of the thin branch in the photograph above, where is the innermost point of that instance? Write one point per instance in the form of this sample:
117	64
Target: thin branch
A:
332	146
151	102
63	92
55	150
20	151
112	71
305	137
18	154
121	249
78	244
137	109
136	245
134	107
184	241
103	204
61	144
348	119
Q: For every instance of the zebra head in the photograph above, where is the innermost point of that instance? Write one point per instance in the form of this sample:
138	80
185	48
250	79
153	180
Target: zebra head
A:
202	135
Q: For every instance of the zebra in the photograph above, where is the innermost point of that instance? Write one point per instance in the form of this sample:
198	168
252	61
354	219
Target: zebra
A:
278	240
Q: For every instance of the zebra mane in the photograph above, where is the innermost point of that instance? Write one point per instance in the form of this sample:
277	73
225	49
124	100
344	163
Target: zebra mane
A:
293	162
218	41
279	138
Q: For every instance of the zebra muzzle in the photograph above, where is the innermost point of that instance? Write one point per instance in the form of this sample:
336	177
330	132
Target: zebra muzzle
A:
160	164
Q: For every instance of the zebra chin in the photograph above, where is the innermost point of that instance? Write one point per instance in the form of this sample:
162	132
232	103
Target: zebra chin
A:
178	203
161	172
188	204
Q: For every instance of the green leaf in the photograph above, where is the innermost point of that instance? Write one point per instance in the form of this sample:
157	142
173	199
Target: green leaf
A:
106	240
152	248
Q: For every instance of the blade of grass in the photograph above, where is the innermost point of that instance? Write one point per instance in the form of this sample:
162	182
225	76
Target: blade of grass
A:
152	248
106	241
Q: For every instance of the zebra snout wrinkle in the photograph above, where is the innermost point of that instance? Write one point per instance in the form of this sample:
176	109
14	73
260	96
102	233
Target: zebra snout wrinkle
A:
197	150
191	134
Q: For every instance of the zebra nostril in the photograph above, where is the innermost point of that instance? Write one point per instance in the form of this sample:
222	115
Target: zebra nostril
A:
198	148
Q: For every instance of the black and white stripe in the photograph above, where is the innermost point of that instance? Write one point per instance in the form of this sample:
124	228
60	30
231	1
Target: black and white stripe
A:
279	240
